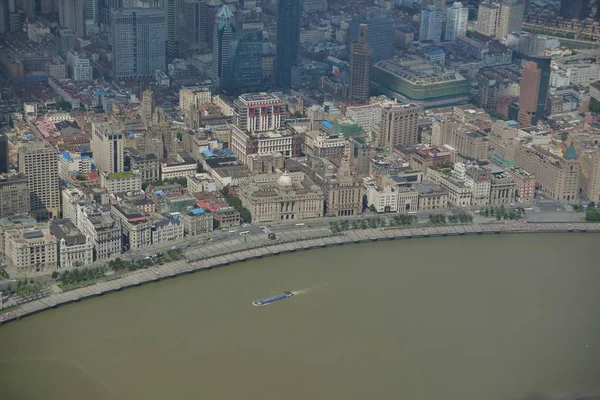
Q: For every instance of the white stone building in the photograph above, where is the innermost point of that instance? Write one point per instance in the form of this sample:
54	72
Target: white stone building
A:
74	248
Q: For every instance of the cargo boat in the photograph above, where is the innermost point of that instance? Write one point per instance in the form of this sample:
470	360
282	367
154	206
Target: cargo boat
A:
272	299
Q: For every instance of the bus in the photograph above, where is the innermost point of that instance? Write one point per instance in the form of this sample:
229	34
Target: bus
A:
244	233
300	225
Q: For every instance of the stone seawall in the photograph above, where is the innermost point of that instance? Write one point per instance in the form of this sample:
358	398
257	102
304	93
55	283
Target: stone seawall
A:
181	267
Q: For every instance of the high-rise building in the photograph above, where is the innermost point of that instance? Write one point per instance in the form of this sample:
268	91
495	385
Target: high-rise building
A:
430	29
91	11
531	44
106	6
3	154
222	34
487	18
457	18
48	6
574	9
535	84
381	27
107	146
147	106
288	41
399	125
80	68
192	27
138	42
510	17
66	41
40	164
245	70
171	8
7	7
14	195
257	112
360	66
70	15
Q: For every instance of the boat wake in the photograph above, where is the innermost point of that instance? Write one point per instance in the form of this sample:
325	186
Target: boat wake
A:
309	289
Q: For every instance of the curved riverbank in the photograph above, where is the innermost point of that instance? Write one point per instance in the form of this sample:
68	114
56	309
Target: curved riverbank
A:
177	268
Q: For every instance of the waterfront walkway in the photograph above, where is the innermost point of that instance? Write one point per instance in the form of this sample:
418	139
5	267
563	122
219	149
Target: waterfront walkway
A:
240	249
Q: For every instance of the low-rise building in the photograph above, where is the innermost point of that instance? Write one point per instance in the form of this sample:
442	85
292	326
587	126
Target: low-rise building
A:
168	227
224	215
16	222
196	221
282	198
408	200
185	165
382	198
431	196
14	195
503	189
136	226
31	252
557	177
74	248
200	183
147	165
104	231
121	182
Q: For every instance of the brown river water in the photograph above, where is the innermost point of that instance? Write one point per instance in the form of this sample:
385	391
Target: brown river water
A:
496	317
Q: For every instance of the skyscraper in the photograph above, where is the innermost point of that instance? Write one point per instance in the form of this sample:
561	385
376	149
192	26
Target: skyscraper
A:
487	18
138	42
171	8
107	146
106	6
222	34
399	125
456	22
66	41
244	71
288	41
381	27
91	11
430	29
535	84
40	164
361	55
574	9
192	27
6	8
3	154
531	44
70	15
510	17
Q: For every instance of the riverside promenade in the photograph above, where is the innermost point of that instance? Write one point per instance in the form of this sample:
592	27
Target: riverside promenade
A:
197	260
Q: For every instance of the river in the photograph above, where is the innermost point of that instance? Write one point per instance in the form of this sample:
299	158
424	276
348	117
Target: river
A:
496	317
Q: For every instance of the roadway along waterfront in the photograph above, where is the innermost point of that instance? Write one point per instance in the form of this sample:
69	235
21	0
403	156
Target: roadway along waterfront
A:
249	247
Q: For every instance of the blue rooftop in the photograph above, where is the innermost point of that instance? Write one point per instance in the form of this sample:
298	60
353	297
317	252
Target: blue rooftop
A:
208	154
197	211
512	123
435	52
67	156
327	124
159	192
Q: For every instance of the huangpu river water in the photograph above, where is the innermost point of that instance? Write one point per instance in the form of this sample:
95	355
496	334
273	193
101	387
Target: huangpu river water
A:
494	317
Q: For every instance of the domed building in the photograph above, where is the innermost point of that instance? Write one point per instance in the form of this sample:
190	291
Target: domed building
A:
278	198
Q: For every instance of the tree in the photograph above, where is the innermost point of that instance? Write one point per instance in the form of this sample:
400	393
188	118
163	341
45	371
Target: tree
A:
594	105
55	275
372	208
576	207
354	224
591	205
199	167
592	215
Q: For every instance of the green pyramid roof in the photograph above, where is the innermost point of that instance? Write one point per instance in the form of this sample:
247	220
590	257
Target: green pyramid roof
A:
570	154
